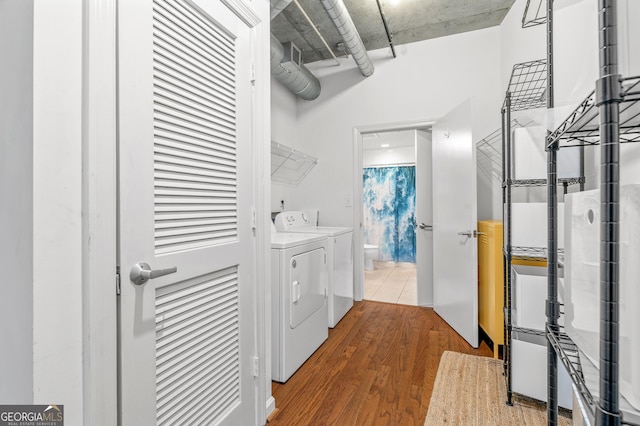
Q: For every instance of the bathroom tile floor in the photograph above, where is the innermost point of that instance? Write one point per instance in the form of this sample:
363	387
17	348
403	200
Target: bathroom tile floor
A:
391	282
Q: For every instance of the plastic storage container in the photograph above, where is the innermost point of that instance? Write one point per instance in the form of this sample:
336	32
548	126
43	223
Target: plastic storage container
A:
582	291
530	157
530	288
529	225
529	364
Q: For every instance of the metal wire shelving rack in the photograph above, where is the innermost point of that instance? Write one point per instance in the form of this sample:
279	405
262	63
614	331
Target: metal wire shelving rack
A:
609	116
527	89
489	155
527	86
489	152
582	127
535	13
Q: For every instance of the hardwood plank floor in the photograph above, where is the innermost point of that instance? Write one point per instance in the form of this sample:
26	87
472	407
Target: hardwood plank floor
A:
377	368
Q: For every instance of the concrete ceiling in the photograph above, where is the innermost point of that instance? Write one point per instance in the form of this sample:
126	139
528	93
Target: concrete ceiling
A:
409	21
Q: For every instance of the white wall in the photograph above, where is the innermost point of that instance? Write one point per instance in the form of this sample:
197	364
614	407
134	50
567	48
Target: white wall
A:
16	199
519	44
387	156
400	148
424	82
284	130
41	223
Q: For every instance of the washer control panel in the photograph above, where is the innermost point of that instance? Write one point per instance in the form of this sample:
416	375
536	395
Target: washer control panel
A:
292	220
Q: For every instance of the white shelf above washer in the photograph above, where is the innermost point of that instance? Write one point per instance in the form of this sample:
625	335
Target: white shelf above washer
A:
289	165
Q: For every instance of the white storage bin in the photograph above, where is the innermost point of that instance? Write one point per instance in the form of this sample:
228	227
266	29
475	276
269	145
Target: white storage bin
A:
582	292
629	37
530	157
530	294
529	225
529	374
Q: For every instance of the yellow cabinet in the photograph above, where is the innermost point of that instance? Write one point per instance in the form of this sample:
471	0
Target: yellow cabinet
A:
490	282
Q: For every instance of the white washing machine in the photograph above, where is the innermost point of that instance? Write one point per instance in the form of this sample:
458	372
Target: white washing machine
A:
340	259
298	300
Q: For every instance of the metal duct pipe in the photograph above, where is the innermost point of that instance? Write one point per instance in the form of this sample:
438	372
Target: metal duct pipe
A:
344	24
278	6
298	79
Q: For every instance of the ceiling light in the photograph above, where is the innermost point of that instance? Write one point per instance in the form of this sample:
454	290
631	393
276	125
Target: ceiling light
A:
384	145
393	2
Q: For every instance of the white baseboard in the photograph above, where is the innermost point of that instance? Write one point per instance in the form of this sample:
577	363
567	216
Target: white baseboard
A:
271	406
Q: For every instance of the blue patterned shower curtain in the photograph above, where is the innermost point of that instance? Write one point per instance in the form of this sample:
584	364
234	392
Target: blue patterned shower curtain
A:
389	195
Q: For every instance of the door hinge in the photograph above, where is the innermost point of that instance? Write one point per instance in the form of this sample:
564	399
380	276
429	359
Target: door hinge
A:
254	219
118	289
256	366
253	72
325	258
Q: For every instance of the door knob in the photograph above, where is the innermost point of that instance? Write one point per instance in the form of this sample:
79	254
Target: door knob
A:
467	234
425	226
141	272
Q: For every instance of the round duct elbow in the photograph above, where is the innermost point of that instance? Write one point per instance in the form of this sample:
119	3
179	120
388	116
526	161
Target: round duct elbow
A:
298	79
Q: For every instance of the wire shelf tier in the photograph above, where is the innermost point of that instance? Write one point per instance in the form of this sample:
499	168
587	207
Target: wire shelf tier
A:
535	13
543	182
528	85
530	335
531	331
582	127
489	152
289	165
584	374
568	353
530	253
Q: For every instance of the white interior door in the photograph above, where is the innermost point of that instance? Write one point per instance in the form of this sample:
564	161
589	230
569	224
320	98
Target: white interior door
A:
186	336
424	219
455	253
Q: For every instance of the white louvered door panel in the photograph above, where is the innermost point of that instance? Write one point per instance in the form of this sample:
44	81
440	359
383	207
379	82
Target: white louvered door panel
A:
185	188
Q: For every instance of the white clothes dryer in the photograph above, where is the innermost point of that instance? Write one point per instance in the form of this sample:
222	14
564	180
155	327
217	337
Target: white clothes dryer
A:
340	259
298	300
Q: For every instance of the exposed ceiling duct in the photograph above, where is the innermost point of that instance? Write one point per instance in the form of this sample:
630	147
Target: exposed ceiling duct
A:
292	73
278	6
411	21
344	24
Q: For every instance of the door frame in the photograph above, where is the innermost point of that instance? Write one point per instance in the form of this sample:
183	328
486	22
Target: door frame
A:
99	223
99	227
358	210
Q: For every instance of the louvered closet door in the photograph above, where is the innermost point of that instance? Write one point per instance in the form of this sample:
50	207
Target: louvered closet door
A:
185	187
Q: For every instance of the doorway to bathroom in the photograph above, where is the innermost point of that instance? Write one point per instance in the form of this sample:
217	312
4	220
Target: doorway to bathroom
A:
396	216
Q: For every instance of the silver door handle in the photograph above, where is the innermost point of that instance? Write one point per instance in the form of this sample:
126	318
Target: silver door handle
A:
142	272
425	226
467	234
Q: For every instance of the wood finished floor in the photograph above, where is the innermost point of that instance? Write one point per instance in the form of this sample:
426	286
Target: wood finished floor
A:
378	367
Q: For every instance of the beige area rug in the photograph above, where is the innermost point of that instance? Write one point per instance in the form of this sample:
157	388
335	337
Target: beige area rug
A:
470	390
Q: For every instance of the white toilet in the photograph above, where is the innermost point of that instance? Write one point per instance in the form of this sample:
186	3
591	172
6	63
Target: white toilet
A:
370	254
